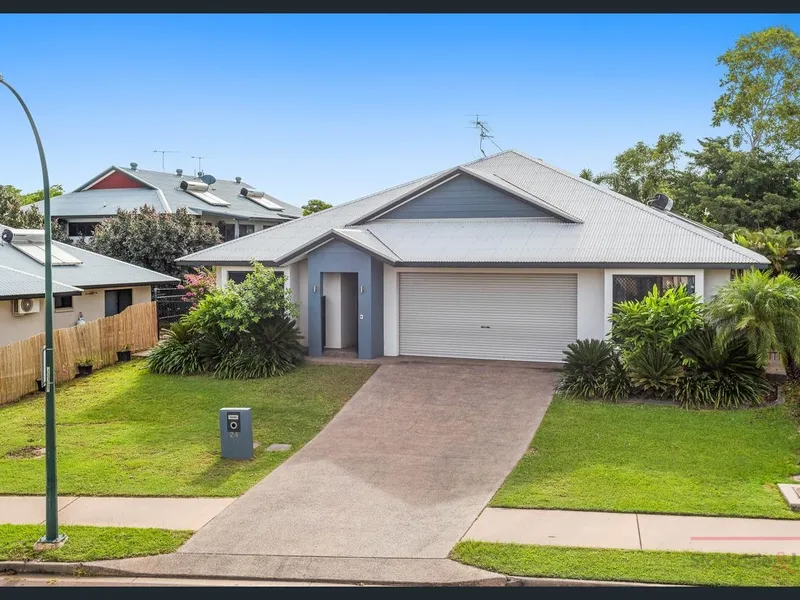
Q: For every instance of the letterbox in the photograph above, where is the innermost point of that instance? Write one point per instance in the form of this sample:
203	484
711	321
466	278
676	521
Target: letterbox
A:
236	433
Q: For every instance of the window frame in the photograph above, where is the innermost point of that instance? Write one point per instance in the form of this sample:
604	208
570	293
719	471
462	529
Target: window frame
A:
64	308
691	284
89	226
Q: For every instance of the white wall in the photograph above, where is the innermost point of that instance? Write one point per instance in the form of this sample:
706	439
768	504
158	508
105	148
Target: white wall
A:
715	279
91	303
297	281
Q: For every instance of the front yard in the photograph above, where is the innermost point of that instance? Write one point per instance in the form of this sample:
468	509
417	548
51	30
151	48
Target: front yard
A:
592	455
126	432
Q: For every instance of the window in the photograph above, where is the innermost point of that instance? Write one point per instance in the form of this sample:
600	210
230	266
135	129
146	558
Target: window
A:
266	227
81	229
636	287
246	230
239	276
62	303
227	231
117	301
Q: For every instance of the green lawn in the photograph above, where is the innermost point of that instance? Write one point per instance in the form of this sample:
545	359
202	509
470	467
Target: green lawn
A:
89	543
693	568
656	459
125	431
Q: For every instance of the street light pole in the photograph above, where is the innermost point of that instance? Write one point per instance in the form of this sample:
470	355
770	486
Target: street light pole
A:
51	538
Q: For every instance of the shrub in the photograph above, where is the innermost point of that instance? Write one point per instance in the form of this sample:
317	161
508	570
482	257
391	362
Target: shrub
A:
592	370
720	371
658	318
177	354
236	332
198	284
654	369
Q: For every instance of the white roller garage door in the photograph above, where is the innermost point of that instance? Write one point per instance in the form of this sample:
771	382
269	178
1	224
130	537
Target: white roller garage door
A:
492	316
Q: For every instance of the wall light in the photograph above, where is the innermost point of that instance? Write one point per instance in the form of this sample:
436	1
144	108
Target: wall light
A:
314	289
363	289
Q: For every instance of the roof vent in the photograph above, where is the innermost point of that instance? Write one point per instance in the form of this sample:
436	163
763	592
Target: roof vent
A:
179	172
134	166
661	202
194	186
238	180
200	174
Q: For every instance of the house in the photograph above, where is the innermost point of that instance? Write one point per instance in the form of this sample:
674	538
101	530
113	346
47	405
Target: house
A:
83	282
506	258
236	208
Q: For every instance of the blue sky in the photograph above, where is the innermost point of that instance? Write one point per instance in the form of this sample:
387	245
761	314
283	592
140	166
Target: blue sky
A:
339	106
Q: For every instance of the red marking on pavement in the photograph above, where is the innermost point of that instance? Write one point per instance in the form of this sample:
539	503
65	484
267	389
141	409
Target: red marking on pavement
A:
746	538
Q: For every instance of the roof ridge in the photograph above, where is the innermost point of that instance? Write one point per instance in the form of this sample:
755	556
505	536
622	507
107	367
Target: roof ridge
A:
372	234
639	205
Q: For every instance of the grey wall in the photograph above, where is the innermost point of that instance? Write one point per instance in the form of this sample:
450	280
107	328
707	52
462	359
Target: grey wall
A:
462	198
338	257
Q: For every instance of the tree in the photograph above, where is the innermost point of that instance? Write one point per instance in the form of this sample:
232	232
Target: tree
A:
153	240
11	213
55	190
766	311
774	244
761	96
730	188
314	205
643	171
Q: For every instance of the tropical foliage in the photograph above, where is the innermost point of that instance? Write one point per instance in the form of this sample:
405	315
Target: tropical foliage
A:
240	331
314	205
764	310
659	318
776	245
196	285
592	370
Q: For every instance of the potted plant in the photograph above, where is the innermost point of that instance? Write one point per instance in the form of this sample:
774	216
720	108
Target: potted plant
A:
84	367
124	355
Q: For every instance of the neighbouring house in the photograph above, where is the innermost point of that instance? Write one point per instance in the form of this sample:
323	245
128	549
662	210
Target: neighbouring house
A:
83	282
505	258
235	207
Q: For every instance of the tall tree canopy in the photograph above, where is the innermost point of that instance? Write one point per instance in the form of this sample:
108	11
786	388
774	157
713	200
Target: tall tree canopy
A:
153	240
314	205
761	97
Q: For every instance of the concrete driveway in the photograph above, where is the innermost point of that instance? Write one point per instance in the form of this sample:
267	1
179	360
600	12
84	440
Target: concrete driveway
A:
401	472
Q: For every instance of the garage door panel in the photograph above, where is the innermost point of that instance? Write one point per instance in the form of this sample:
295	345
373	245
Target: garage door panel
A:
494	316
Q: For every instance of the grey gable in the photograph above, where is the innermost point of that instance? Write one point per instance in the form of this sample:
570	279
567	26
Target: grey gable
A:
464	197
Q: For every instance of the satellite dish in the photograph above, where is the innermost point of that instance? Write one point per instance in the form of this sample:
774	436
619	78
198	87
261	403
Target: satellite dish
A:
208	179
7	236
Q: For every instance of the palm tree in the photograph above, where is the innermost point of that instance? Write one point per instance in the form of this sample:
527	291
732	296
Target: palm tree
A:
766	311
778	246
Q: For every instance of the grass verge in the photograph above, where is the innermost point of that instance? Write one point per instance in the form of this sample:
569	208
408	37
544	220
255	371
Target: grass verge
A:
89	543
644	566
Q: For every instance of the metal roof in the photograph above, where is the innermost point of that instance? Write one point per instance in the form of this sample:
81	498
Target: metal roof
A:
166	196
95	270
18	284
611	229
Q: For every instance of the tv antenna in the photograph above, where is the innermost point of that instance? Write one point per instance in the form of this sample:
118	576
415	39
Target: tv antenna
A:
199	163
483	132
163	152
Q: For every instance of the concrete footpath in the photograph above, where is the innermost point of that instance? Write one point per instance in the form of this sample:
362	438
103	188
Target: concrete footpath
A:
162	513
636	531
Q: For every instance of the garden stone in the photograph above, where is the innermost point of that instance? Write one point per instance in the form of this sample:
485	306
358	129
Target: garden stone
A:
279	447
791	493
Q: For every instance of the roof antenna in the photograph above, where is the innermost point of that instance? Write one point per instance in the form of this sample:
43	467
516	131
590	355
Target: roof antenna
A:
163	152
199	164
483	132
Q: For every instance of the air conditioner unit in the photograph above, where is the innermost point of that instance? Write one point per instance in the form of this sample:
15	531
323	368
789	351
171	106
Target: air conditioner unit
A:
25	306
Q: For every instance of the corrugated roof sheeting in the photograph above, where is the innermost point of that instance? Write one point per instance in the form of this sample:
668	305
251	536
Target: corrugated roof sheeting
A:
615	229
15	283
95	270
